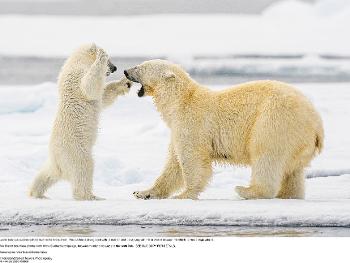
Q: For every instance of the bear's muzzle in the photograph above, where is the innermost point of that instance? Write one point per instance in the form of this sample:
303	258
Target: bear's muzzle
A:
141	92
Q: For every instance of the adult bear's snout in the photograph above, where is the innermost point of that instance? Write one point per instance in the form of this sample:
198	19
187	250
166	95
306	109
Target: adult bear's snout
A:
126	73
130	75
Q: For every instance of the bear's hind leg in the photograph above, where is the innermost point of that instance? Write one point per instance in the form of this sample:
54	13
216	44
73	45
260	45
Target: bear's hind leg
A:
45	179
82	179
292	186
266	179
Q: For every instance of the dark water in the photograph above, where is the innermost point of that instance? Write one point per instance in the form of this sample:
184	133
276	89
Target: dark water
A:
35	70
209	70
170	231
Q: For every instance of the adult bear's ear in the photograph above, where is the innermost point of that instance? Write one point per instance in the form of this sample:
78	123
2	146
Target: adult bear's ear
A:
169	76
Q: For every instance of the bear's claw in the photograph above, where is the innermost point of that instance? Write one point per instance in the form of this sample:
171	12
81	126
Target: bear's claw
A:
146	195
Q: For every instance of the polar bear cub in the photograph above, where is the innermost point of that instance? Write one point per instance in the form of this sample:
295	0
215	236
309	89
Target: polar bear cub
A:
267	125
83	92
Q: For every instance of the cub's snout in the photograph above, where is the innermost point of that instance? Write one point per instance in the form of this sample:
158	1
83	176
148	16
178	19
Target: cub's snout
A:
111	68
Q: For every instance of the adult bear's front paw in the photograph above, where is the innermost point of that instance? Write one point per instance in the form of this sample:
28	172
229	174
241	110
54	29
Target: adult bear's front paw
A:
145	195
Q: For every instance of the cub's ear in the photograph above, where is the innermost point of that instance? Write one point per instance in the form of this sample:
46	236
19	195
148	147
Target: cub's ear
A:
93	48
169	75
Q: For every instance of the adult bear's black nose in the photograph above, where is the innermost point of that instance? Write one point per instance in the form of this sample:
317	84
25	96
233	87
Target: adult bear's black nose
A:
114	68
126	73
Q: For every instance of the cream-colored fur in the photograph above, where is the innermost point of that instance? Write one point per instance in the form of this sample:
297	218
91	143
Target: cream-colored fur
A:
267	125
83	92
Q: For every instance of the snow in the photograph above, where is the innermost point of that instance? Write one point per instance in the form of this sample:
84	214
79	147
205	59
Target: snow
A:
285	27
130	153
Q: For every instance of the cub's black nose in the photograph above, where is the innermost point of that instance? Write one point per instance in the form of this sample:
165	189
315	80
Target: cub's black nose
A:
114	68
126	73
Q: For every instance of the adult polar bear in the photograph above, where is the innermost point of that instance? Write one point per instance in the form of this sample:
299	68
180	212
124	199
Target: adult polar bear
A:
266	124
82	94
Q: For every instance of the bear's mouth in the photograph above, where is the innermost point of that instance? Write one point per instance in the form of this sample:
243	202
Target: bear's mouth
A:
141	92
130	77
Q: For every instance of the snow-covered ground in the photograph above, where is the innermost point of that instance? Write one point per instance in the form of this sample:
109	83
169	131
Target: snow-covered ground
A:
130	153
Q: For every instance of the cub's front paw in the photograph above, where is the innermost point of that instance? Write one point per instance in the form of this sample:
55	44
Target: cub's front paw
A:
124	82
128	83
123	86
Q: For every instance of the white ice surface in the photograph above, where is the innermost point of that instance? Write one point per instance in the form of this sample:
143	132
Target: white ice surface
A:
130	153
285	27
